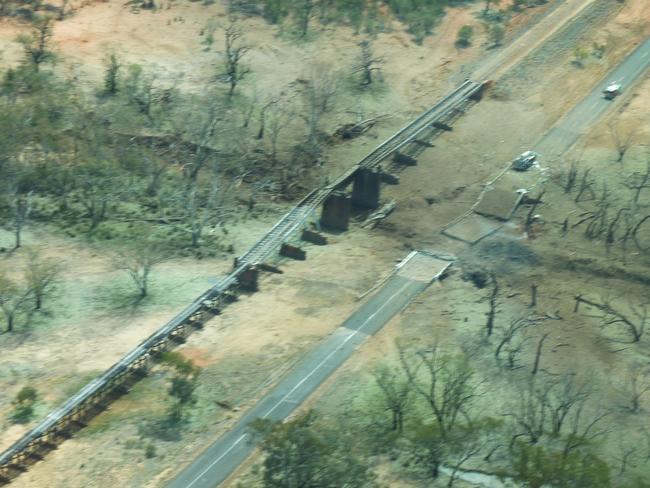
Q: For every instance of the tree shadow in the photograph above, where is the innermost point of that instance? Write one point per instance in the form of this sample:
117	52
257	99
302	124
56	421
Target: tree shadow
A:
164	429
22	327
118	296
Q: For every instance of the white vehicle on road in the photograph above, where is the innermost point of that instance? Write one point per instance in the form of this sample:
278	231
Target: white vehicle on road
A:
612	91
524	161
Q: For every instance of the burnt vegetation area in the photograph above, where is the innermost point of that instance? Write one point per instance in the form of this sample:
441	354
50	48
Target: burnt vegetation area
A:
612	212
491	400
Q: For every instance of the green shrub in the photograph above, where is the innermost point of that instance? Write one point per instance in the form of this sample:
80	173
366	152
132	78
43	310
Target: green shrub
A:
150	451
598	50
419	15
276	10
579	56
465	34
496	33
24	405
517	5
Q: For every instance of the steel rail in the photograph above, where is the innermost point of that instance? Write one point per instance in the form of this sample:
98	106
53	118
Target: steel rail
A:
259	252
406	133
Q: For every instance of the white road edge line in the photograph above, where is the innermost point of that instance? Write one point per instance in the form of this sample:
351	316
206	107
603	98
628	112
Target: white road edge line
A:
301	382
347	339
234	444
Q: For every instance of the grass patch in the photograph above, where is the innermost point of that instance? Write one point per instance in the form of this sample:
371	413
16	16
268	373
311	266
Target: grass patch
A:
144	401
120	295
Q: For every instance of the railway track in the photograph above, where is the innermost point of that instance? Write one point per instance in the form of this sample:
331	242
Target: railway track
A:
285	227
415	128
93	396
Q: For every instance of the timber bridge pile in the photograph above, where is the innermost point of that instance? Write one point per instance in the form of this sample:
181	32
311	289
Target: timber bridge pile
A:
366	177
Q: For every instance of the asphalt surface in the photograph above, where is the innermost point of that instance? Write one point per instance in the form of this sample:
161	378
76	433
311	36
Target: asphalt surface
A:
216	463
572	126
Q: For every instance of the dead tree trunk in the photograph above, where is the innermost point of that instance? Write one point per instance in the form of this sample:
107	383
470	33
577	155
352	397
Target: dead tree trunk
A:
578	299
367	63
493	305
586	184
637	182
533	292
538	354
531	212
22	210
233	54
613	316
621	142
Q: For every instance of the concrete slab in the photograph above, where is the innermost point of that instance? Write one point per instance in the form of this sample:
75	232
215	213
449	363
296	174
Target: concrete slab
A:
514	180
423	268
472	228
498	202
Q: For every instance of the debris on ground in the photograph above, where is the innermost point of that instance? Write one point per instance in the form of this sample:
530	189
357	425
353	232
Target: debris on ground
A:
376	217
352	130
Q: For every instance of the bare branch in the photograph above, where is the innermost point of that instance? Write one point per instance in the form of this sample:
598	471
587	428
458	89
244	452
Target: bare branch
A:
445	383
622	142
138	262
613	316
233	54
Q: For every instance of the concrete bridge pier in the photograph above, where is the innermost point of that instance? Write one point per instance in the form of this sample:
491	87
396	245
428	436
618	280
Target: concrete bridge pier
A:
179	335
140	369
478	94
336	211
293	252
248	279
365	189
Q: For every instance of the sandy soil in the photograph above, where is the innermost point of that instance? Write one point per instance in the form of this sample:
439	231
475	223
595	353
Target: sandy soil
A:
414	75
275	60
616	29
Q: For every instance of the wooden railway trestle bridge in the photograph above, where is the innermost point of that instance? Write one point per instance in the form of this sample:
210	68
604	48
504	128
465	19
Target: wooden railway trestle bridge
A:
366	178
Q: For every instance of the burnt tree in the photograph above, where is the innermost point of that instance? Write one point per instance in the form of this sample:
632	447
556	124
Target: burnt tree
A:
492	300
233	54
367	64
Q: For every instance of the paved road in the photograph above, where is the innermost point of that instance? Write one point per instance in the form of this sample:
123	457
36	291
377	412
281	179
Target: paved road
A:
412	276
572	126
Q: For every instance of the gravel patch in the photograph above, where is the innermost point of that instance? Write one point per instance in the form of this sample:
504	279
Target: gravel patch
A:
559	46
